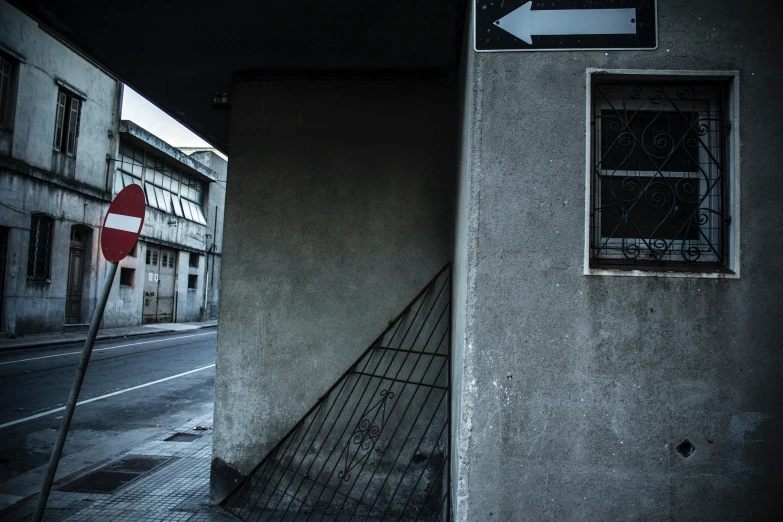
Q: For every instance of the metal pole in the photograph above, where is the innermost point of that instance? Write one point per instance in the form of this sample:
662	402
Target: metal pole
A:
77	386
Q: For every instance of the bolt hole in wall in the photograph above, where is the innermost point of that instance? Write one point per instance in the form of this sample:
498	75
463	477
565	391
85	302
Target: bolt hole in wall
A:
685	448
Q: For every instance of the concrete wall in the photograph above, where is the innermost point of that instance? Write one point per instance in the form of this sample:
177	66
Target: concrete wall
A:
573	390
341	210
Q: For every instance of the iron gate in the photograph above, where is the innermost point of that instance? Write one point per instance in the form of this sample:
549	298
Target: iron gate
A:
376	446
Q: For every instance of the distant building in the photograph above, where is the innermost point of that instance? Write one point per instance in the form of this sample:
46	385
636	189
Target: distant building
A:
173	275
64	153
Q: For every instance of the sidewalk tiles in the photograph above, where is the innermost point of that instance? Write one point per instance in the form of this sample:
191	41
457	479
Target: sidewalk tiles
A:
175	491
58	338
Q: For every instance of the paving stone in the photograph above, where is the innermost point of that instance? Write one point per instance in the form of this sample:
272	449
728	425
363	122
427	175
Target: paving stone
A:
178	491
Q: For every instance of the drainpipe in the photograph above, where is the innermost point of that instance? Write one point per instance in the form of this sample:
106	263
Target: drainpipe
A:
114	142
214	249
206	280
210	253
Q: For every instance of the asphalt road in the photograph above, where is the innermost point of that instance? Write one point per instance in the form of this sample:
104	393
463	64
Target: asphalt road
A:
128	405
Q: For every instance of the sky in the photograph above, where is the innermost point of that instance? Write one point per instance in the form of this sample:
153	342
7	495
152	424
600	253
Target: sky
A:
143	113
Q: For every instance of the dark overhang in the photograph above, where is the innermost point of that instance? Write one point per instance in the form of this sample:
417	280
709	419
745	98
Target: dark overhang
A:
179	53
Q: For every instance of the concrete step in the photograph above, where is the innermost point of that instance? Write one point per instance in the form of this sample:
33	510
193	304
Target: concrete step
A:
68	328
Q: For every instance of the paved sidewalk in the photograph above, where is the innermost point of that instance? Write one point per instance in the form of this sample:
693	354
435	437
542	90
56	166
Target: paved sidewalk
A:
58	338
178	490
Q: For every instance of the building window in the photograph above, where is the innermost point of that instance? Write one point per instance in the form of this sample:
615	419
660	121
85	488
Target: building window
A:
192	282
127	276
166	187
131	167
194	259
659	182
40	251
66	126
7	69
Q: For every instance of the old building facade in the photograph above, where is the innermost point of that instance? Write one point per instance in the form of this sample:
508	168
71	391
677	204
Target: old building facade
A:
64	153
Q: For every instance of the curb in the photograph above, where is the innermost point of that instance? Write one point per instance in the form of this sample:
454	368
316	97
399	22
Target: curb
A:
100	337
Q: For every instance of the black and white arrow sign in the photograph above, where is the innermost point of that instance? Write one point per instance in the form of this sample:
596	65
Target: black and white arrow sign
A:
543	25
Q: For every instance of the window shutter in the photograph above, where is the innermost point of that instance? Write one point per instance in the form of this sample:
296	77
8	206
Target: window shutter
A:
58	123
73	125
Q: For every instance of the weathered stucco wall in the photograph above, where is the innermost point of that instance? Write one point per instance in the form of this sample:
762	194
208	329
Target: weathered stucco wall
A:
40	307
341	210
47	60
29	183
576	389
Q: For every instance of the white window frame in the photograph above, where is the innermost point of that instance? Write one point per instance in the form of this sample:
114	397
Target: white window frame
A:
732	154
66	123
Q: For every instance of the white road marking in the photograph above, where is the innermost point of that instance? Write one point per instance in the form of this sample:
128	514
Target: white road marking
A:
104	349
126	390
122	222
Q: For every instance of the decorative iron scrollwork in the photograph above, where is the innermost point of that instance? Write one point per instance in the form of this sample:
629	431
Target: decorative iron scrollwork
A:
658	191
365	435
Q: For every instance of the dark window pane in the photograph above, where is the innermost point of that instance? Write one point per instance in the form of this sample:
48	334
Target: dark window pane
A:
649	141
6	69
642	207
39	252
127	276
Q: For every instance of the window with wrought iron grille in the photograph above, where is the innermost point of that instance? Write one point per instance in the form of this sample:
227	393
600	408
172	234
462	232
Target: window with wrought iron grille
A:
66	125
660	192
39	255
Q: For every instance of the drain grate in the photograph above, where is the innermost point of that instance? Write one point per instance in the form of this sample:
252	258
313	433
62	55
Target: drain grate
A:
183	437
136	464
116	475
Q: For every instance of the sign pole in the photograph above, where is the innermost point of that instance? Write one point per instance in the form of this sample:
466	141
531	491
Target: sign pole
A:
74	396
121	229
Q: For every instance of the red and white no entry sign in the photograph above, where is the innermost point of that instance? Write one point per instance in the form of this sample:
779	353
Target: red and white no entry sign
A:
123	222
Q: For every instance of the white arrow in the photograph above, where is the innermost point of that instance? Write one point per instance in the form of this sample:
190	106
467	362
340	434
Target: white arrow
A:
524	22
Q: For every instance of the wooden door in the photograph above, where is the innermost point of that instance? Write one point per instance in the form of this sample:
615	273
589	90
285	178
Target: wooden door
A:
73	295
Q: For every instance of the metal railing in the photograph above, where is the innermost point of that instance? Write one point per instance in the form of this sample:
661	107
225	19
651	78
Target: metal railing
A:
376	446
